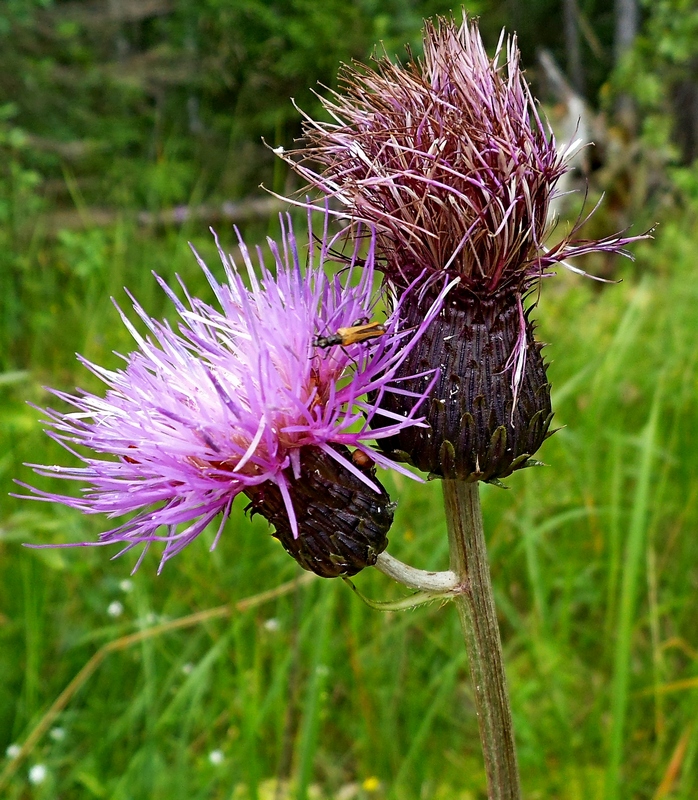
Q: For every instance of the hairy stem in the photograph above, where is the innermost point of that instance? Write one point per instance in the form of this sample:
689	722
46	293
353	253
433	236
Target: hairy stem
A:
436	582
481	633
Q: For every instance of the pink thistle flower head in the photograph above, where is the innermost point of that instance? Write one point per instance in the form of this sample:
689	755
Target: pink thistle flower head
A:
450	160
248	398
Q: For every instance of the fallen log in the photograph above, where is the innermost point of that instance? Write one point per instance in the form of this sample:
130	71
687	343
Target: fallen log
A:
233	212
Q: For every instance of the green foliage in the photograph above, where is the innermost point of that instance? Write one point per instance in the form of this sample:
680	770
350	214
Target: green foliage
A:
188	83
662	74
119	92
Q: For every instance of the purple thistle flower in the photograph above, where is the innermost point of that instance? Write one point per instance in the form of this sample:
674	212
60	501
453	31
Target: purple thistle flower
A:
450	160
242	400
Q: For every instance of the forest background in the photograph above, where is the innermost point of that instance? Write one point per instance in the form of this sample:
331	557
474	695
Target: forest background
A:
127	127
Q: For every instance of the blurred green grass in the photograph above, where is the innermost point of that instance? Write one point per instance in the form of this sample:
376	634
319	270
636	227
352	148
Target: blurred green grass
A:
594	558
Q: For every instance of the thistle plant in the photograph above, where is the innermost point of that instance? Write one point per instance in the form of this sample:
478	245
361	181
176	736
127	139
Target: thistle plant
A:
288	394
241	400
450	160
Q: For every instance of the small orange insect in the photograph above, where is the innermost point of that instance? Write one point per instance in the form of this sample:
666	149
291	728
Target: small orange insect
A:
351	335
361	460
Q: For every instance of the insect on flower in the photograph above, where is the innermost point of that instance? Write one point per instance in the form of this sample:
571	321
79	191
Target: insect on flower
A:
351	335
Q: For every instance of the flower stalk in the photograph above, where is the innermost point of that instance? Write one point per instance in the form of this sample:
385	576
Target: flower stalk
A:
478	619
444	583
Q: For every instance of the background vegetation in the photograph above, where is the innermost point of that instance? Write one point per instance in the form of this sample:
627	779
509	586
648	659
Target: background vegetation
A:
126	127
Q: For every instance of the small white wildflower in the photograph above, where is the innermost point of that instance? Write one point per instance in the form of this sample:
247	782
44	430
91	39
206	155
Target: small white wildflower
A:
37	774
187	668
57	734
115	609
126	585
216	757
13	751
272	624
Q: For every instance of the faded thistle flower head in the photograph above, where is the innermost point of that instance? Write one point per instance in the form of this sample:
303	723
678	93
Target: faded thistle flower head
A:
249	398
450	160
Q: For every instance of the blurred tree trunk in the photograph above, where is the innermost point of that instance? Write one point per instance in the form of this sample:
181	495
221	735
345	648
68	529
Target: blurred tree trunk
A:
685	104
627	15
575	67
627	21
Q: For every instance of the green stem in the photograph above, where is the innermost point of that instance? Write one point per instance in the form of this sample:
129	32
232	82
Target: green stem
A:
481	633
